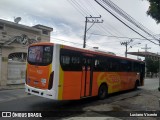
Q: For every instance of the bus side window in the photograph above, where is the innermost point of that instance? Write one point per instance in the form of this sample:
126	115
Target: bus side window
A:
129	66
113	65
84	61
89	61
100	64
96	65
125	66
65	60
136	67
75	63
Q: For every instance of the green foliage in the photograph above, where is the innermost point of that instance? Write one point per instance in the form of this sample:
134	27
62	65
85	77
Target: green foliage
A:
154	10
152	66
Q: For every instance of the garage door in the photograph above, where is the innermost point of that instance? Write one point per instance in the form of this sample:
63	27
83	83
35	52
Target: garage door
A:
16	68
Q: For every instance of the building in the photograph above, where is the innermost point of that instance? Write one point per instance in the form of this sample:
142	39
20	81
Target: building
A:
146	54
14	40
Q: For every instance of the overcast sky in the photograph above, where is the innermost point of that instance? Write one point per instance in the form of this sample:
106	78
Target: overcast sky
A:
67	17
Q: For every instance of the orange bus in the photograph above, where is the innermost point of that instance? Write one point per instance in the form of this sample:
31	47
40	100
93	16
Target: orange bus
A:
62	72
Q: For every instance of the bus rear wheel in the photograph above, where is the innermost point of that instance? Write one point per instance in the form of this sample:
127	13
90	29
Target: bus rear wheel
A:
136	84
102	92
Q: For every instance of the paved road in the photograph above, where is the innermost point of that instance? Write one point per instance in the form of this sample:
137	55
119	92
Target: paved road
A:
34	103
64	108
17	100
7	95
151	84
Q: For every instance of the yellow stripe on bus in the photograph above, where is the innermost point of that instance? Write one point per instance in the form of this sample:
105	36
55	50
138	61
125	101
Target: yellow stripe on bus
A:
60	86
50	70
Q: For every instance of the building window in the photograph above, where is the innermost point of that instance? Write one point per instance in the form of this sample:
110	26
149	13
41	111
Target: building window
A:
19	56
1	27
45	32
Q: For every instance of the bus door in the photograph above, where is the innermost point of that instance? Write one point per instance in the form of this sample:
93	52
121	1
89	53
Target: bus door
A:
87	76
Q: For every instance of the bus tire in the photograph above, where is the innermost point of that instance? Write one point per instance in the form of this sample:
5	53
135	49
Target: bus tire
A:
102	92
136	84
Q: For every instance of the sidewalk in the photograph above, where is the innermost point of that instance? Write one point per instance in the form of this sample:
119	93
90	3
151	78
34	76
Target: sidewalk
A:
12	92
10	87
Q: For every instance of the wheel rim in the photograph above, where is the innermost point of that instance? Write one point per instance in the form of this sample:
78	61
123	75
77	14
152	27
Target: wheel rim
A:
102	92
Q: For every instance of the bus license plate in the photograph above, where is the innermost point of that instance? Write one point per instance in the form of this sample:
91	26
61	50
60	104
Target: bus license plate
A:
35	82
43	80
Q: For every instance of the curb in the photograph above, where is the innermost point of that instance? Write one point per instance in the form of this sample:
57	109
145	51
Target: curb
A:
11	87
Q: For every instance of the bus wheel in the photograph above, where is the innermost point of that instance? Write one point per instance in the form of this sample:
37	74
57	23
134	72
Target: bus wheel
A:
136	84
102	92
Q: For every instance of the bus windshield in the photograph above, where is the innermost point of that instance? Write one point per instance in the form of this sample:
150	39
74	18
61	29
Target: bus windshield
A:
40	55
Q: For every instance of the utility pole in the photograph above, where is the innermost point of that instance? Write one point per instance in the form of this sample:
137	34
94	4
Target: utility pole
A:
126	43
159	73
159	68
146	50
92	20
137	55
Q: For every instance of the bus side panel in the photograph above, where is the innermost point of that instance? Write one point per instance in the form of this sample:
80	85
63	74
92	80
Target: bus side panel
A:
128	80
112	79
95	84
72	85
116	81
124	80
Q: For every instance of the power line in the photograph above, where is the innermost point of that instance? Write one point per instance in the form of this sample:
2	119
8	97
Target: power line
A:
108	25
124	22
118	36
86	6
64	40
81	6
104	30
76	7
92	7
128	17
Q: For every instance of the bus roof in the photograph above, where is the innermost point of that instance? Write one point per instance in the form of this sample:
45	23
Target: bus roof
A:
99	53
86	51
41	43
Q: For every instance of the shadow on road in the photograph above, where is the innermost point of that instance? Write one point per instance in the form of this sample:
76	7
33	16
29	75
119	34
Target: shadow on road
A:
75	107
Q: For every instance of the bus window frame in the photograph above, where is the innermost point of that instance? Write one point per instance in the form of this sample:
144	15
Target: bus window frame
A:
42	63
72	66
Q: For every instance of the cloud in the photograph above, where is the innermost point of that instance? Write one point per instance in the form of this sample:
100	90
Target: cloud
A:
68	22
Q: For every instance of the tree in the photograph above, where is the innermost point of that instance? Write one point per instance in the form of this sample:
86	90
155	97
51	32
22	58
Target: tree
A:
152	66
154	10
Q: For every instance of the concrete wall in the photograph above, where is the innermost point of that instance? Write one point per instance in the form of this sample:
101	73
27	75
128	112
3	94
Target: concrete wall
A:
0	65
16	72
9	46
5	53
